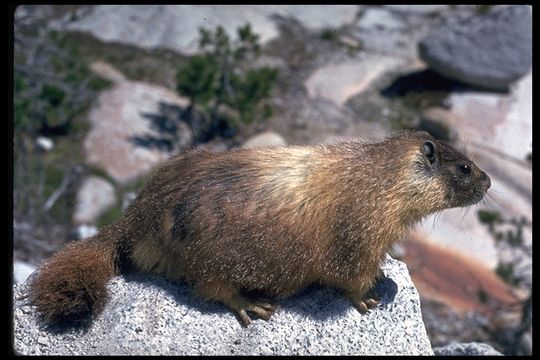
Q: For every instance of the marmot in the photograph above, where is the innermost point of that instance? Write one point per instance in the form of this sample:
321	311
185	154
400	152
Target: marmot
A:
272	220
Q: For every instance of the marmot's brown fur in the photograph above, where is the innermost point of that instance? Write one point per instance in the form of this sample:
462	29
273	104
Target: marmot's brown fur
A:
270	219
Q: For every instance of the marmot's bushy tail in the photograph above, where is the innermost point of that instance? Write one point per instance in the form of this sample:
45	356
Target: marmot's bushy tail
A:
72	285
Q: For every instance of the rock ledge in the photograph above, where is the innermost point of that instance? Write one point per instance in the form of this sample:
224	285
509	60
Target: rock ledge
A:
151	316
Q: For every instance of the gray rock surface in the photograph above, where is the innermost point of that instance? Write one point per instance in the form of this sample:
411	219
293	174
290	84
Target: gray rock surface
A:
419	9
472	348
176	27
83	231
378	18
501	121
94	197
45	143
267	138
439	122
147	315
490	51
338	82
21	271
134	126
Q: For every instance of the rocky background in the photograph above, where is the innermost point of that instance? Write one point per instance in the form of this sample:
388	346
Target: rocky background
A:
96	108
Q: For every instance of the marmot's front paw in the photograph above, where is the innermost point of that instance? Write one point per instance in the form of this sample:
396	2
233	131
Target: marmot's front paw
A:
364	305
364	302
242	305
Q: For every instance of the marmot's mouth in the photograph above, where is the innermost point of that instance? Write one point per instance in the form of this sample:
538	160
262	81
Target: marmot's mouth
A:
470	198
477	195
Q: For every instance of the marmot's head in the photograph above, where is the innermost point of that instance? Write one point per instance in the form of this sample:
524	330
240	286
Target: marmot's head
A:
456	178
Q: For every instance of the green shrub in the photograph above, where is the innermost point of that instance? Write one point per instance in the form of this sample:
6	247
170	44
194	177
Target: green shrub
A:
52	95
505	272
49	95
197	79
489	217
328	34
220	76
252	89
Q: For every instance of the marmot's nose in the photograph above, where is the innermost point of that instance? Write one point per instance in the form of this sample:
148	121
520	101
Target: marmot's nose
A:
486	181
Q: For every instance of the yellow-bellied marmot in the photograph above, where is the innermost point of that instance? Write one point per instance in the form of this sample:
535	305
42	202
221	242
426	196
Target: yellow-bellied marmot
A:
270	219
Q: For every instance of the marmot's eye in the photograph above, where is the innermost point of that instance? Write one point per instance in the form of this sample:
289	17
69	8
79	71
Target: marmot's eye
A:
465	169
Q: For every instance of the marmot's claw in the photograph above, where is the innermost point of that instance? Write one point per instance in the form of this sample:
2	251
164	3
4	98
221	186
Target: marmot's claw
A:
361	307
364	305
372	302
245	320
260	312
260	308
364	302
265	304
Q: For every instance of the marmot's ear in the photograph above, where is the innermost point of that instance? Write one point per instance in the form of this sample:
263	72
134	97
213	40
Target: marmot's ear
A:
428	149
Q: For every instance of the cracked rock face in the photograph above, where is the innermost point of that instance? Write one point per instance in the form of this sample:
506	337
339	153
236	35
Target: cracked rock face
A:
151	316
490	51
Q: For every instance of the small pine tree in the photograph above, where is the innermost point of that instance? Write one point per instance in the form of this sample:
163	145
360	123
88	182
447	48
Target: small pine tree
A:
219	76
254	87
197	80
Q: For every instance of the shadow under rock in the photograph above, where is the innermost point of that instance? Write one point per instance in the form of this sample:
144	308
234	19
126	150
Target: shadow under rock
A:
428	81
